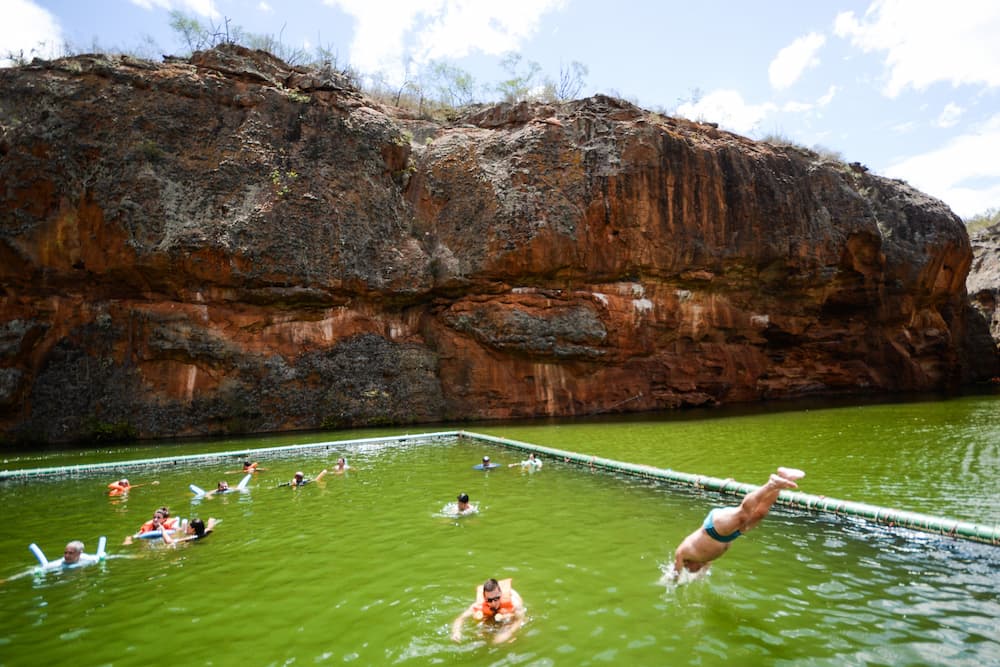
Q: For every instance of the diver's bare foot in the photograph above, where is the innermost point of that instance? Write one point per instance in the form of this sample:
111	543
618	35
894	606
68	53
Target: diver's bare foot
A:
791	473
783	483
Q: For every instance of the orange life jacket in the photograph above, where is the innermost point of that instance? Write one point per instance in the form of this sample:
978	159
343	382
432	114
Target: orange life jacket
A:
117	489
169	524
483	608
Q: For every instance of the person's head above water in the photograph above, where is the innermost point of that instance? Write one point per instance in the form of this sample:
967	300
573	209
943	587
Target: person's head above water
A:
492	593
486	460
71	554
196	527
463	498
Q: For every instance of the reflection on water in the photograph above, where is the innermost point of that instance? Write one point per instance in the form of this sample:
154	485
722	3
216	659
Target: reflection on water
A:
363	568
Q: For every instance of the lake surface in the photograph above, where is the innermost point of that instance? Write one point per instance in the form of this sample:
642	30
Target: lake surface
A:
365	568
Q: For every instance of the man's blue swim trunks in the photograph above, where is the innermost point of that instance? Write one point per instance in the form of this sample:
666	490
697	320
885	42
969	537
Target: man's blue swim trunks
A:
710	529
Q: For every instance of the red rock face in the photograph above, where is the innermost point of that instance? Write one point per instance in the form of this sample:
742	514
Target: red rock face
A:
231	245
983	282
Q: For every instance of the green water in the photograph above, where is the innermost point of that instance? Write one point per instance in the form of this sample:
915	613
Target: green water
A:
364	569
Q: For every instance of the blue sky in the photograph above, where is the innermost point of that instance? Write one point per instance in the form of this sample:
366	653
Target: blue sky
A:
910	88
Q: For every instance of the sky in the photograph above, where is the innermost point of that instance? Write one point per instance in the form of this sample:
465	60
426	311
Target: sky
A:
909	88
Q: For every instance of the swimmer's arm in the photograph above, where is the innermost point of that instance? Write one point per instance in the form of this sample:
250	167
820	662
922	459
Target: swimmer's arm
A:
456	626
508	630
678	562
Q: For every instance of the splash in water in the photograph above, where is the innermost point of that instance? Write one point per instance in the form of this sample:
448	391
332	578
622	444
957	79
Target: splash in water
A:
451	510
671	578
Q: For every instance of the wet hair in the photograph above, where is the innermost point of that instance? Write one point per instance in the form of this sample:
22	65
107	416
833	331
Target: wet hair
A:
463	497
198	526
491	585
75	545
486	459
164	511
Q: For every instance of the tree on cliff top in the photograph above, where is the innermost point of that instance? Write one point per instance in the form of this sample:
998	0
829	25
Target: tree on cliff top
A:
988	218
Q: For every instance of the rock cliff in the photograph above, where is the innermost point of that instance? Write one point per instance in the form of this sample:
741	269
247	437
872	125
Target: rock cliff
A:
983	283
227	244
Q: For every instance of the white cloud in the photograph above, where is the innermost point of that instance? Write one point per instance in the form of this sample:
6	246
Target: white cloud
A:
828	97
964	172
28	30
794	59
264	7
204	8
802	107
796	107
389	33
929	41
728	109
950	115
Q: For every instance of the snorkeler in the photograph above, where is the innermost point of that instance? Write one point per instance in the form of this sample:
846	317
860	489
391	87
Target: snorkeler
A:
723	525
496	602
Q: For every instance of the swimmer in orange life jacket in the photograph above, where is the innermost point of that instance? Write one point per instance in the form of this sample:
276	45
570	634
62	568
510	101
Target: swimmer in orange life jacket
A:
122	487
724	524
161	521
496	602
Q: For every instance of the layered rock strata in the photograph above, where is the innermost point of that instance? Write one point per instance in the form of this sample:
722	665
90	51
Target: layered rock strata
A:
983	282
231	245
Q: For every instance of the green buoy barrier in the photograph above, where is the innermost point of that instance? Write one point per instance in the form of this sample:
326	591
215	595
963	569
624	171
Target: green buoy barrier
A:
164	461
872	513
875	514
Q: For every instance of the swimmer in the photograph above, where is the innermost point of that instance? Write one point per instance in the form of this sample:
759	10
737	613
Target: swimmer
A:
463	506
299	479
532	462
122	487
247	467
196	529
161	521
496	602
341	466
486	464
222	487
723	525
72	552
